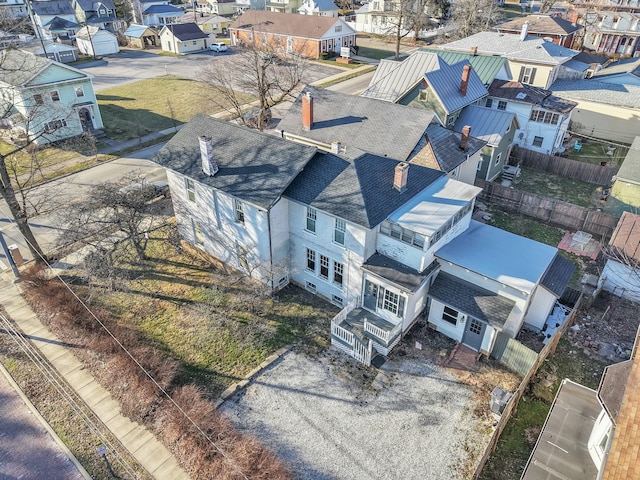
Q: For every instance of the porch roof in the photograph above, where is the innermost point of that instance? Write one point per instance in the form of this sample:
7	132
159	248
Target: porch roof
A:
397	273
484	305
427	212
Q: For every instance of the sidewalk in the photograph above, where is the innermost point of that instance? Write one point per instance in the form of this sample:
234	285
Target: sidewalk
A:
141	443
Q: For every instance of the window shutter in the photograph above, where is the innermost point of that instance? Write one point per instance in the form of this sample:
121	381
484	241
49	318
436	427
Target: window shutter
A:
380	297
533	75
400	306
521	76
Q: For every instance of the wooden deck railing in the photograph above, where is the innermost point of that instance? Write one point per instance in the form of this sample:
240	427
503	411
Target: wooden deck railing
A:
384	335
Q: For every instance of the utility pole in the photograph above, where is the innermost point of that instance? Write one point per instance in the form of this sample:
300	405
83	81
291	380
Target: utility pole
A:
7	254
36	27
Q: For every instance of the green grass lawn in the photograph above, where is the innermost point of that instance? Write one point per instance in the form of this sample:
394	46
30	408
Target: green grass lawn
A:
218	325
136	109
375	53
526	226
562	188
593	152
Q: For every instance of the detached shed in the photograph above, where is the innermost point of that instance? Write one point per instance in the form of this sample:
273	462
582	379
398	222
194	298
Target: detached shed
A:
94	41
626	185
621	273
141	36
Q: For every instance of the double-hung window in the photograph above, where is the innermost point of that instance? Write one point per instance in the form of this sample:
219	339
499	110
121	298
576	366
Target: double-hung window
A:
324	267
239	209
191	189
197	233
311	260
391	302
339	231
502	105
449	315
55	96
311	220
338	273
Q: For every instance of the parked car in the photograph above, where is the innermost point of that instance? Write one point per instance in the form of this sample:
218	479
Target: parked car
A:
251	117
219	47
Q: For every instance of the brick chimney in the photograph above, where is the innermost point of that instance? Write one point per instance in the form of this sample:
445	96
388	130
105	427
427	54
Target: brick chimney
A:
209	165
464	81
525	31
474	50
400	176
307	111
464	139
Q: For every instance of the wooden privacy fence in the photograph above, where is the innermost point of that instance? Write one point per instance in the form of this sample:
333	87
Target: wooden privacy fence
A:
512	406
565	167
548	209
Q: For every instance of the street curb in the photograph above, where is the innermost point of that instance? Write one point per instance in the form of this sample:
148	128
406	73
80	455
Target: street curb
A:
241	384
44	423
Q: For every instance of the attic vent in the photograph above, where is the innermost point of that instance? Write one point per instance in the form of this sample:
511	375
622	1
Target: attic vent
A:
521	96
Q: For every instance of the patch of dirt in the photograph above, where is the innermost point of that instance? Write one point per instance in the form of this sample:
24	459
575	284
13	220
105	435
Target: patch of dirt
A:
607	329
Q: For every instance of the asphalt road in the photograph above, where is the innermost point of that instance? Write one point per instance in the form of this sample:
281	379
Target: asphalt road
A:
46	227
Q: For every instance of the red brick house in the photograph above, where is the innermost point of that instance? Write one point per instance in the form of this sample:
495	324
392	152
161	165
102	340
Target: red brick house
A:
306	35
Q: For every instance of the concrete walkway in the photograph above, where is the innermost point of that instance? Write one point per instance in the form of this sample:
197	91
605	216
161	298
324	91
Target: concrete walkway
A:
152	455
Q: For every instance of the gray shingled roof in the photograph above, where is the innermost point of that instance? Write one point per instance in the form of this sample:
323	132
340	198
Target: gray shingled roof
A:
93	5
630	168
186	31
290	24
484	305
599	92
557	277
53	7
18	67
509	45
359	123
58	23
254	167
487	124
486	66
446	84
396	272
359	190
626	65
440	149
521	92
392	79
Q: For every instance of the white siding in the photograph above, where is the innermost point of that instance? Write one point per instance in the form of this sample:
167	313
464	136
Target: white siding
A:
540	307
621	280
601	430
435	316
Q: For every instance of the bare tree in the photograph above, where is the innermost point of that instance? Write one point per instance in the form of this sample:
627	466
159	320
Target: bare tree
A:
115	219
258	72
473	16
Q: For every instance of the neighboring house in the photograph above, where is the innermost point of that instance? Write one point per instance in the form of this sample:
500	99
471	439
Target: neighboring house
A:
497	128
595	62
101	13
455	154
623	72
612	32
626	186
230	8
95	41
592	434
323	8
141	36
487	67
183	38
306	35
542	117
60	27
605	110
621	273
44	12
57	52
530	60
558	30
13	9
379	17
159	15
283	6
51	101
209	24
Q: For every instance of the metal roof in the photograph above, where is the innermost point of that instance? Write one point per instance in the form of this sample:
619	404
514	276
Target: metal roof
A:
598	92
445	82
502	256
361	124
533	49
487	124
154	9
431	209
136	31
253	166
486	66
392	79
471	299
562	448
576	65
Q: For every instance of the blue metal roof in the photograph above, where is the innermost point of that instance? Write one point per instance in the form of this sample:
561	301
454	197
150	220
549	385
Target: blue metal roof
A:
502	256
486	124
162	9
135	31
446	84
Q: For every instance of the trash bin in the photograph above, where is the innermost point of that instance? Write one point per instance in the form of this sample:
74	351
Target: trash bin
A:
499	400
16	255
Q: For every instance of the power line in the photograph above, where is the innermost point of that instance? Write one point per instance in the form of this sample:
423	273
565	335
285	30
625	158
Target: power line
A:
153	380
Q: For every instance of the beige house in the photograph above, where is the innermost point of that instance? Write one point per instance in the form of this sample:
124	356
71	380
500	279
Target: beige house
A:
605	110
183	38
209	24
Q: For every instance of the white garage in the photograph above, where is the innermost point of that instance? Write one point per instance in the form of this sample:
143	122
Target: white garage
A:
91	40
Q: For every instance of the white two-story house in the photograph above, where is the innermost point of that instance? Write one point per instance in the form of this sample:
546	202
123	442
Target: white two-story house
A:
47	100
362	229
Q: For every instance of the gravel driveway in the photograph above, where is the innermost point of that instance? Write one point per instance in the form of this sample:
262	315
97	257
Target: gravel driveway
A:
329	420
